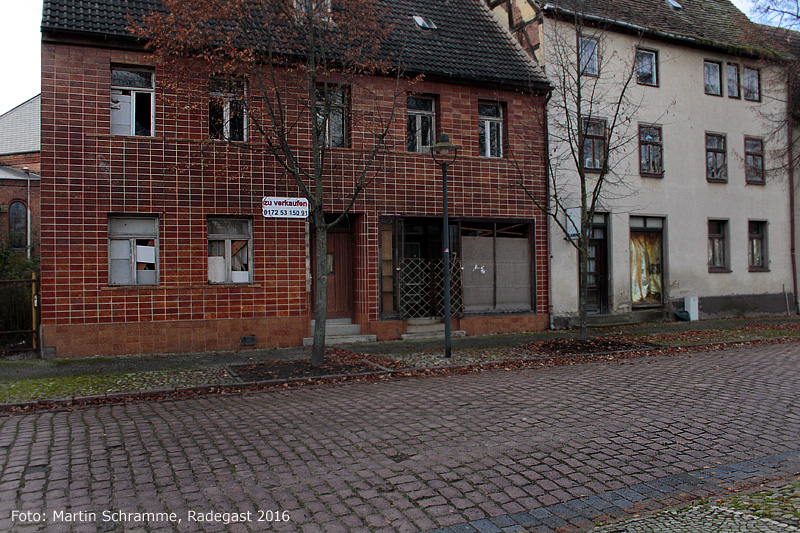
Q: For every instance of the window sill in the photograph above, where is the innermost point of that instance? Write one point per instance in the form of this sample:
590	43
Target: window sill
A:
714	94
759	183
757	269
719	270
656	176
716	180
178	287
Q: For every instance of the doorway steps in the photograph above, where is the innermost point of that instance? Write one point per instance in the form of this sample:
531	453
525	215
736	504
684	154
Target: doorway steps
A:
622	319
340	331
427	329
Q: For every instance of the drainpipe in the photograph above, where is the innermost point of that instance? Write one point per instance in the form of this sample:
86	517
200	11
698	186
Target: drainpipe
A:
790	154
547	214
28	212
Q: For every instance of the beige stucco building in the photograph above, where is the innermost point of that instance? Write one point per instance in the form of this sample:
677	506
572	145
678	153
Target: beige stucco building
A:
690	112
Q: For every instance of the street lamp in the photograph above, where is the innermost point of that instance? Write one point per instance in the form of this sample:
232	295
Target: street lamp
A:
444	153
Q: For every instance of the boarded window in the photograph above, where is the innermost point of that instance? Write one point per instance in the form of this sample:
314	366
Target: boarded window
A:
133	250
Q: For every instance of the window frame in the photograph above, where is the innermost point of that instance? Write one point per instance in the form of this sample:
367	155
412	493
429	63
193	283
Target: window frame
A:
738	85
131	237
18	239
342	107
485	129
748	154
757	97
721	236
654	54
133	93
650	144
761	237
596	141
228	239
418	116
706	64
227	98
583	64
717	151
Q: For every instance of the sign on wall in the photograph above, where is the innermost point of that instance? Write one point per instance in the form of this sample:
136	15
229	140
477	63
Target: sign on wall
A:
276	207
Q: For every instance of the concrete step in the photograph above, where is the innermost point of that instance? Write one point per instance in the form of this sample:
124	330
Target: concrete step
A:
624	319
338	326
431	336
331	340
424	321
425	328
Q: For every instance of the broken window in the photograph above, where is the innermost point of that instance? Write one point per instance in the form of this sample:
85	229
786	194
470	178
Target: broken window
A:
716	162
594	144
226	110
133	250
490	132
332	117
717	246
588	54
18	225
754	160
651	160
420	123
712	70
647	67
733	81
132	102
757	245
752	84
229	248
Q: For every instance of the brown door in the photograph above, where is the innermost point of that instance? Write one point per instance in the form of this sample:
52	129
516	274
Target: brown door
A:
596	295
339	264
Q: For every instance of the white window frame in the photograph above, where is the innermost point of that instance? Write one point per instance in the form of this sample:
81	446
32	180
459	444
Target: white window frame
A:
128	244
487	124
755	92
707	64
226	99
417	115
216	267
123	104
589	56
337	109
654	64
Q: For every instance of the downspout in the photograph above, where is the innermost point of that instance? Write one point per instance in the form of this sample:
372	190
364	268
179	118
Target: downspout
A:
28	213
790	154
547	213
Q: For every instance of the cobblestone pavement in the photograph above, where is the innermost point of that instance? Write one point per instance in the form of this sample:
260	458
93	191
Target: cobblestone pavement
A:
558	449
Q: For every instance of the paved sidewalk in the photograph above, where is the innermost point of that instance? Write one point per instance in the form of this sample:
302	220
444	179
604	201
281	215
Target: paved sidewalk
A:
556	449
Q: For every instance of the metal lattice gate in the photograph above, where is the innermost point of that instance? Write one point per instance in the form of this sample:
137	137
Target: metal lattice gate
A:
19	315
420	284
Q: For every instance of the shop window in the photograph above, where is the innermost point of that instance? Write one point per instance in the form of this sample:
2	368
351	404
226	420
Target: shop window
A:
229	248
133	250
647	278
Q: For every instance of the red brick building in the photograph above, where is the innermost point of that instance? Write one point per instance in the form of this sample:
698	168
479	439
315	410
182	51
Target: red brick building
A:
153	238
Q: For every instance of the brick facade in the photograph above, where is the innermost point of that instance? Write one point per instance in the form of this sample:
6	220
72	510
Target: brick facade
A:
182	178
32	160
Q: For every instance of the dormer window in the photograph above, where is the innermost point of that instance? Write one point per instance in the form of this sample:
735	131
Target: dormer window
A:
423	22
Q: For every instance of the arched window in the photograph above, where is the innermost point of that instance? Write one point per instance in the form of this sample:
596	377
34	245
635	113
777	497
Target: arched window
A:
18	225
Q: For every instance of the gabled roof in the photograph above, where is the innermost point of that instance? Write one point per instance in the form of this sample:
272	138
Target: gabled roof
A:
468	44
706	23
20	130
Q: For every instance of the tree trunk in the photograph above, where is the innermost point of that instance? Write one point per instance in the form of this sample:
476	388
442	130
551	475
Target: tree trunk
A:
320	293
583	260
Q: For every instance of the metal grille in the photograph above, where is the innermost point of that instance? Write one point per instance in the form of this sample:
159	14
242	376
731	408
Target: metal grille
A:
420	288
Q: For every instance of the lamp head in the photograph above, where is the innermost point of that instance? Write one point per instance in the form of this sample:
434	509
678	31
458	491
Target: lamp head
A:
444	152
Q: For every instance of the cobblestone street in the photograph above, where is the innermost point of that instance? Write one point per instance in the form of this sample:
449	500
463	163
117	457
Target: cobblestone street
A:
557	449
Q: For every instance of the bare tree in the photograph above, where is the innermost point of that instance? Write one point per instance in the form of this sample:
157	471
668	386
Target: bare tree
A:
300	58
590	125
782	13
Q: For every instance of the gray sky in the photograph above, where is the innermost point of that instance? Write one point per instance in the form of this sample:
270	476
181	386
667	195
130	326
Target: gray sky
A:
20	50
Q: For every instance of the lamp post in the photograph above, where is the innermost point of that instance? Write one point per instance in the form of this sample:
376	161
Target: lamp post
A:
444	153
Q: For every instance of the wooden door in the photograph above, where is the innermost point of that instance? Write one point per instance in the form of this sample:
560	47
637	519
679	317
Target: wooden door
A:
339	265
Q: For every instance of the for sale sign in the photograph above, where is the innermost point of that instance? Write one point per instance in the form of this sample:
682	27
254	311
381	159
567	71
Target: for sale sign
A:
275	207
